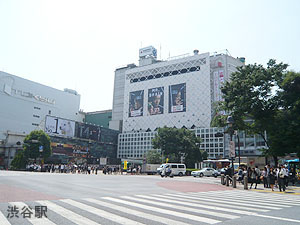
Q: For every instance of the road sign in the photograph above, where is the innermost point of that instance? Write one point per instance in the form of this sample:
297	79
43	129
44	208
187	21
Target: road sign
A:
231	149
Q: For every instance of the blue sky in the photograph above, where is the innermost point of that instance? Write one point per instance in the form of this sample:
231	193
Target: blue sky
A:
78	44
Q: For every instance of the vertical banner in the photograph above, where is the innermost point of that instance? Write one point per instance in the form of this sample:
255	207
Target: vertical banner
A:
218	83
156	101
136	102
177	98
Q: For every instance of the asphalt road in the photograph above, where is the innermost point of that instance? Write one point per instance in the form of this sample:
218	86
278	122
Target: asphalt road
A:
137	199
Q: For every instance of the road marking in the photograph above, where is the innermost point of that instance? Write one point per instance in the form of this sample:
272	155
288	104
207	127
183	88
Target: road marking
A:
257	197
199	206
279	218
136	212
210	202
234	201
264	199
34	220
74	217
3	219
164	211
100	212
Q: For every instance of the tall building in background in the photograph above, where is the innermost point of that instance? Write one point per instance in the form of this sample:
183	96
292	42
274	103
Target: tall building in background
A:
179	92
99	118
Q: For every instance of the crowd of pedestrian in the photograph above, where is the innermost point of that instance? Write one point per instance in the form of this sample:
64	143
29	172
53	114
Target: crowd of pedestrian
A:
278	177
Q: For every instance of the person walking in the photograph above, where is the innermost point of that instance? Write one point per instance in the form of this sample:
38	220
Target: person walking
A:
264	176
272	176
281	178
254	178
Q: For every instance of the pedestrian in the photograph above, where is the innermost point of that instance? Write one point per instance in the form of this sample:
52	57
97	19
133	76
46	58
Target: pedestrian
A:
272	176
89	169
268	177
281	178
265	177
293	176
254	178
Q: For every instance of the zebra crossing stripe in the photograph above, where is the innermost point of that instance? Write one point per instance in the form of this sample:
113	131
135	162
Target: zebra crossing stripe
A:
213	203
136	212
3	219
164	211
237	201
260	199
100	212
199	206
74	217
34	220
264	195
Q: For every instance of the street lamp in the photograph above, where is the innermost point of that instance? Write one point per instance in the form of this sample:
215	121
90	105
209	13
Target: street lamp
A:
230	130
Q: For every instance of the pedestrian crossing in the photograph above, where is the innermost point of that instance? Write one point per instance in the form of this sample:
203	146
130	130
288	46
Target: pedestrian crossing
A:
176	208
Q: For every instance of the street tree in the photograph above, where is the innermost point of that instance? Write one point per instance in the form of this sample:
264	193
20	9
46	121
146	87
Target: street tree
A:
179	142
37	144
256	97
153	157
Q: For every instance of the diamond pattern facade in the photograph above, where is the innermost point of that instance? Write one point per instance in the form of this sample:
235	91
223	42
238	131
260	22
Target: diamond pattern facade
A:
192	71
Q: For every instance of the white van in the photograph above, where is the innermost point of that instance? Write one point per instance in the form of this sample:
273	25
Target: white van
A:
178	169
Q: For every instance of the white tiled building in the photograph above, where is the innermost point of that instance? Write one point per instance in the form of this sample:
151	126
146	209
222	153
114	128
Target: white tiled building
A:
178	92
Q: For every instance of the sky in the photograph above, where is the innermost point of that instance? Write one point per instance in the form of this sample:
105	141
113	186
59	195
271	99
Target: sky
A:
78	44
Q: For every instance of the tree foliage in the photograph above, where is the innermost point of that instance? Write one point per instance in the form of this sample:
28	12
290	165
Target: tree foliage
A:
265	99
32	143
153	157
179	142
19	162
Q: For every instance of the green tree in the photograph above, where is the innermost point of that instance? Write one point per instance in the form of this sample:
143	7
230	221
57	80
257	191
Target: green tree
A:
261	99
32	143
19	161
179	142
153	157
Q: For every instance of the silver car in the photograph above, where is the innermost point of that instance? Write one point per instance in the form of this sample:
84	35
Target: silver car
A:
204	172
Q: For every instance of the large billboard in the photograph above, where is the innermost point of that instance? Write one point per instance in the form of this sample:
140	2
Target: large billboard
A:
177	98
136	103
58	126
156	101
88	131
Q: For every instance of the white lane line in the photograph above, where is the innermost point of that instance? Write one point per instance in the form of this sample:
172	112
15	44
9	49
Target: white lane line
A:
211	213
74	217
199	206
224	201
136	212
294	198
259	196
214	203
259	200
102	213
279	218
34	220
165	211
3	219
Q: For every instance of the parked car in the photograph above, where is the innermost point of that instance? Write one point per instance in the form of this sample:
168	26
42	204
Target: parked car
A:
204	172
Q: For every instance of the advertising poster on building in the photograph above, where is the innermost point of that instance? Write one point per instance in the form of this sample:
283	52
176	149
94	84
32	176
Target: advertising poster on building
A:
57	126
88	131
136	102
218	83
156	101
177	98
